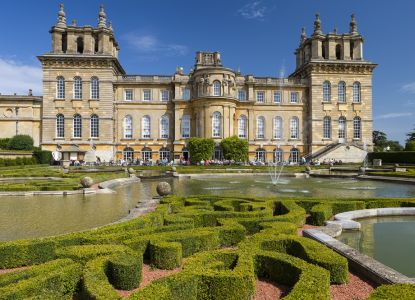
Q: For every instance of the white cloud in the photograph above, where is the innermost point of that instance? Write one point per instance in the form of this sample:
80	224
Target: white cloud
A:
409	87
151	47
394	115
16	77
253	10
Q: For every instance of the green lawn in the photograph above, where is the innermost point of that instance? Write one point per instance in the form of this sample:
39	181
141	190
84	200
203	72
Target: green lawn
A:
410	172
69	181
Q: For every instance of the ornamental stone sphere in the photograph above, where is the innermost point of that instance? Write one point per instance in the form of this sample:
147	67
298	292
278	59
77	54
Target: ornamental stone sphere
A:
87	182
173	169
163	188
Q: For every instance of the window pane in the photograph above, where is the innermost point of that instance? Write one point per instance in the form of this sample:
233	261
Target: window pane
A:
77	126
94	126
146	95
185	126
260	97
128	95
146	133
94	88
128	127
294	97
277	97
60	126
277	128
216	124
164	127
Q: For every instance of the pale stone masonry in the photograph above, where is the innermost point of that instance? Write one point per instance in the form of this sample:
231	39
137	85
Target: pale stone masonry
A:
325	104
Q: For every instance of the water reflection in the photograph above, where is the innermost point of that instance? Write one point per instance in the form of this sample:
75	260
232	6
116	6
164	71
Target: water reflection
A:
35	216
390	240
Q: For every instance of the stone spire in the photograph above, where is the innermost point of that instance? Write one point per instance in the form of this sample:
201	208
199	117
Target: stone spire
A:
303	35
110	26
102	18
317	25
353	25
61	17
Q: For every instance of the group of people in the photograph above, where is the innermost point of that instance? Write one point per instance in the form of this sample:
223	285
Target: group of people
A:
330	162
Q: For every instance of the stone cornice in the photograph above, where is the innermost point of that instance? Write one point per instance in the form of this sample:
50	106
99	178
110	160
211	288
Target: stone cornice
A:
335	67
77	60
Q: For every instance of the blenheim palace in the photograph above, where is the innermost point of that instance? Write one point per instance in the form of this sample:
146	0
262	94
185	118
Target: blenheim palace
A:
90	105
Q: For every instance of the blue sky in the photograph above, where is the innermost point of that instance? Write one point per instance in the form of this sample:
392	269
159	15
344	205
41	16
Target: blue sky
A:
259	37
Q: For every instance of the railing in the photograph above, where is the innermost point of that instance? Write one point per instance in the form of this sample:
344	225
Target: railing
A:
278	81
145	78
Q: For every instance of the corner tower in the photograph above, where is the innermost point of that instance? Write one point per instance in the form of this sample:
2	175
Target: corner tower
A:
339	104
78	93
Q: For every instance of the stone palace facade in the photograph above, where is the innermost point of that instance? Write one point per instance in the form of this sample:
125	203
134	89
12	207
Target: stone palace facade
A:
90	105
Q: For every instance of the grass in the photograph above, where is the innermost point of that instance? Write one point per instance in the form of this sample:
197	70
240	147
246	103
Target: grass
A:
68	181
410	173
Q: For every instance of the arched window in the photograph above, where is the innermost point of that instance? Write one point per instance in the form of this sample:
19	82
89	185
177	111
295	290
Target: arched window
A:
77	126
145	127
164	127
216	88
146	154
277	128
260	127
277	155
342	91
77	88
338	51
294	128
185	128
342	128
94	87
216	124
164	154
326	128
326	91
356	92
94	126
357	128
128	154
60	126
260	155
80	45
128	127
242	127
294	154
60	87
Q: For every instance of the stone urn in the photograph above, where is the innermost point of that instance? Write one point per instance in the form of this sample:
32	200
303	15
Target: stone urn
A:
87	182
163	188
173	169
131	171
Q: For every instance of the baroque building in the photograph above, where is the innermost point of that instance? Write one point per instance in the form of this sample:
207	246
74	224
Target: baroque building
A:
322	110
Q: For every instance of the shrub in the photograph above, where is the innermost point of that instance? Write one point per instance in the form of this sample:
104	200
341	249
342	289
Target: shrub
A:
410	146
42	156
124	271
165	255
403	157
25	253
4	143
201	149
395	291
55	280
21	142
235	149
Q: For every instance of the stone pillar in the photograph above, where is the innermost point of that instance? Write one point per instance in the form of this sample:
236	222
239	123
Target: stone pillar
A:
71	42
88	41
56	42
316	52
346	50
208	122
251	122
226	126
332	49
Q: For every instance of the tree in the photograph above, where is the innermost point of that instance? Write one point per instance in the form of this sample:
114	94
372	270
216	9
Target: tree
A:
411	136
381	142
21	142
410	146
200	149
235	149
379	138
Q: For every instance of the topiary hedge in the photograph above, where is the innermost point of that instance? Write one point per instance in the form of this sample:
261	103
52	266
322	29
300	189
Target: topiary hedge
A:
261	232
21	142
400	157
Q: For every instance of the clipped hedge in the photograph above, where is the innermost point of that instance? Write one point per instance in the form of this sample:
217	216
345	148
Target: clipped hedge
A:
261	231
54	280
395	291
42	156
400	157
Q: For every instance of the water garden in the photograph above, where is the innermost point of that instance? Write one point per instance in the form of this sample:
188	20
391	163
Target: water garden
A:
224	233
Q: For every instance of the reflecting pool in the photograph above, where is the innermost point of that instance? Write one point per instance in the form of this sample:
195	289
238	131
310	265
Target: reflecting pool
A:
36	216
390	240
